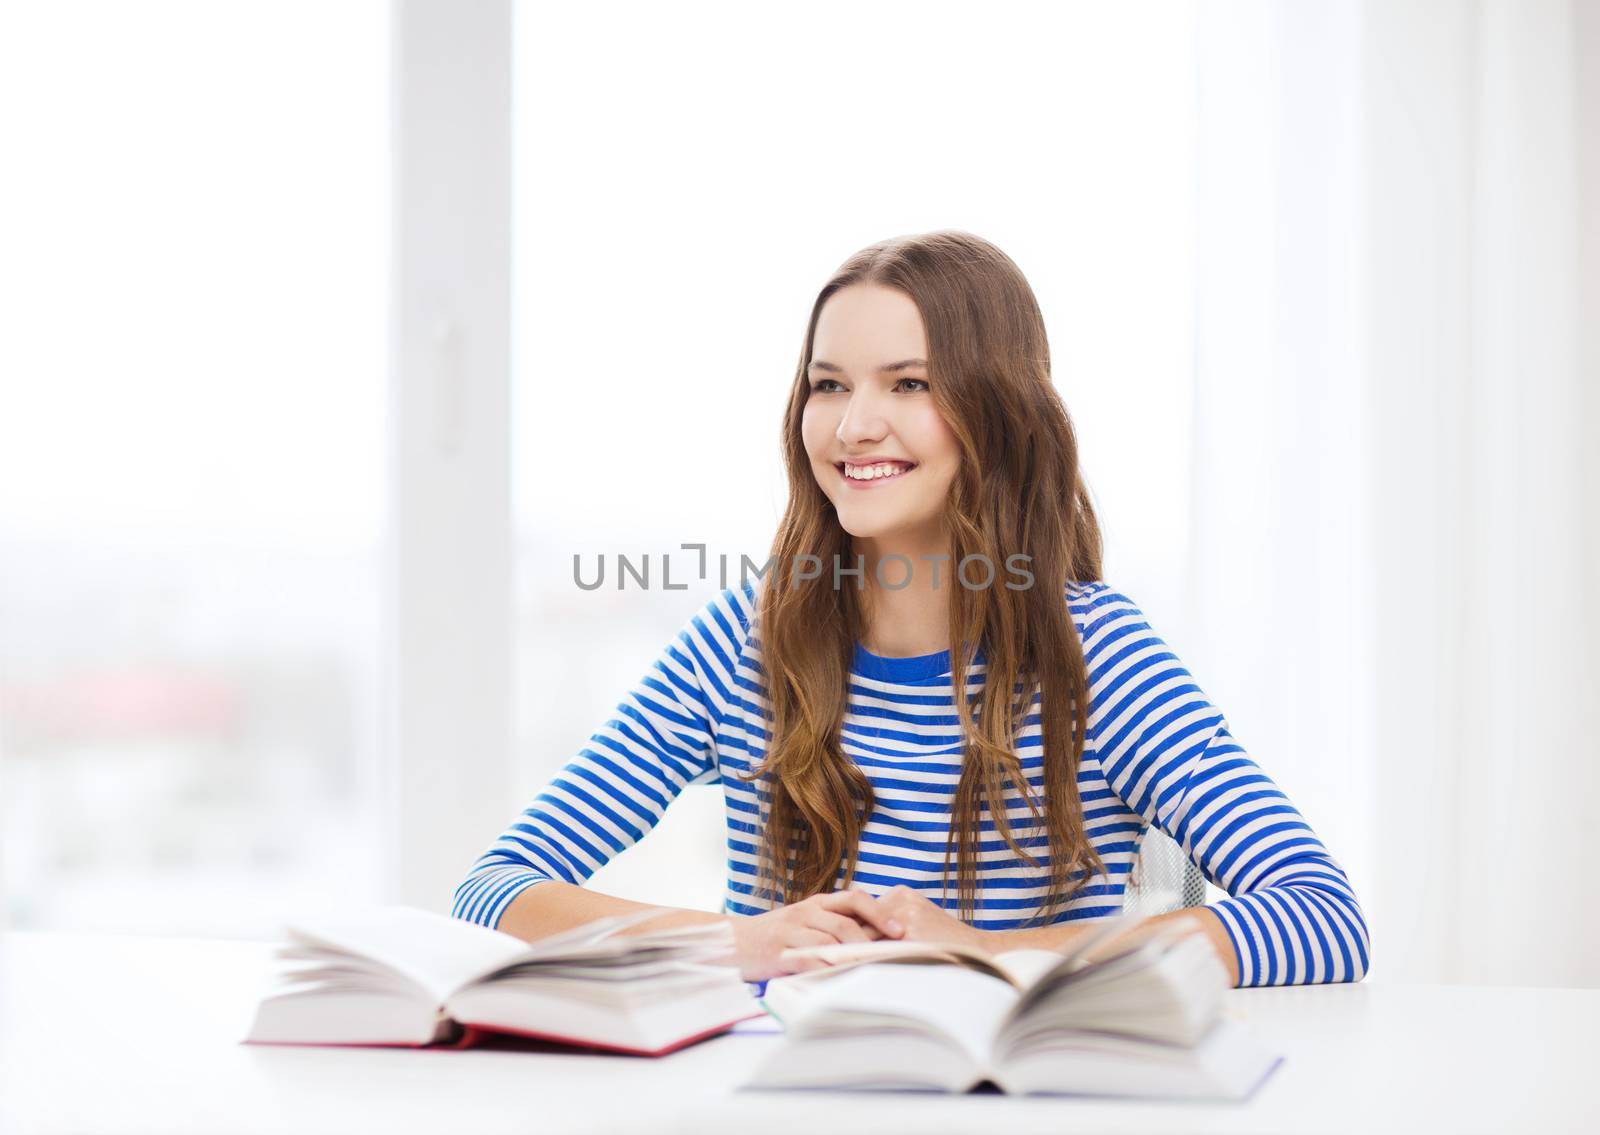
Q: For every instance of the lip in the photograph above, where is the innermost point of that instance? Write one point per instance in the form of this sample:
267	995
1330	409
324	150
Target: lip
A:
876	482
875	459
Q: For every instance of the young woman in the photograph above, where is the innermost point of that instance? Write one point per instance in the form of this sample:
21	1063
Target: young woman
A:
938	537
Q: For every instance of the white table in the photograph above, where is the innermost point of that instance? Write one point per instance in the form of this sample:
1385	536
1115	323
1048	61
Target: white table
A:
123	1033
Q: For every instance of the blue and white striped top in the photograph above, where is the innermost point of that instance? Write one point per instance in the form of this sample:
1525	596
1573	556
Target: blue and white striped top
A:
1156	752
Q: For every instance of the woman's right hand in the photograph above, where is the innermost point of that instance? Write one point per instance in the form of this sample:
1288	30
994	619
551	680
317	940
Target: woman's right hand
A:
841	916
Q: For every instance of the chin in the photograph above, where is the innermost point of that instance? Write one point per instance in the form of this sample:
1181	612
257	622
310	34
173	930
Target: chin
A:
855	525
874	527
859	530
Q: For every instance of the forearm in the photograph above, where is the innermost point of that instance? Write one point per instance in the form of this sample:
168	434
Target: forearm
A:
552	906
1060	936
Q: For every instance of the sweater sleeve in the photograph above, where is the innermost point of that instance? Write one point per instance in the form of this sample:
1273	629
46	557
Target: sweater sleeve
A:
660	738
1167	752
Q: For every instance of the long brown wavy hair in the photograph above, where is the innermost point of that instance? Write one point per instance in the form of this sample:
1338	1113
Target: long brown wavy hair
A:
1017	490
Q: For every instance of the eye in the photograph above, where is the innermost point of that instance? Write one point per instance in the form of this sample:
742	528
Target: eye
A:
922	382
816	387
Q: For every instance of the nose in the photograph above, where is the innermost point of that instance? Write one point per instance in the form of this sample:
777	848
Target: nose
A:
863	421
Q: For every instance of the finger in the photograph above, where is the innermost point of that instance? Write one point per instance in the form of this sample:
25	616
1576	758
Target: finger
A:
799	937
842	927
808	936
791	962
864	908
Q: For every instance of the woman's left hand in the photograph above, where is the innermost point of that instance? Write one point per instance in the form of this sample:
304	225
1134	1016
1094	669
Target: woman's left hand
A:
922	920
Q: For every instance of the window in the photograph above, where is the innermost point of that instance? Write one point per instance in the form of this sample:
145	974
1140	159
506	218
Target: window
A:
191	439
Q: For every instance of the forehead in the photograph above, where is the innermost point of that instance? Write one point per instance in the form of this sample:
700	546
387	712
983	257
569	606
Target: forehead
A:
865	326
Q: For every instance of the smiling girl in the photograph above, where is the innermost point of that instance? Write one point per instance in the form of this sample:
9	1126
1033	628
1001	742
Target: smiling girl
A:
938	537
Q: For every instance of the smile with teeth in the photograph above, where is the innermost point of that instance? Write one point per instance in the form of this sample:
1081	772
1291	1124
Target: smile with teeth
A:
882	471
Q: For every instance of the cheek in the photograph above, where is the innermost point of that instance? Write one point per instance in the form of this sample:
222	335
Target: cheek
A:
933	438
935	443
815	430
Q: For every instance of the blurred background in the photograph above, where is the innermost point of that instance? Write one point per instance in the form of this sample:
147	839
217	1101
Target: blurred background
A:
333	332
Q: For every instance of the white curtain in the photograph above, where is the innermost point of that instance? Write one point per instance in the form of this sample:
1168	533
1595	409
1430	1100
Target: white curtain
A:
1396	524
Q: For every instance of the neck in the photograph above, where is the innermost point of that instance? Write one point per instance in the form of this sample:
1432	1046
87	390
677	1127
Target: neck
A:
913	619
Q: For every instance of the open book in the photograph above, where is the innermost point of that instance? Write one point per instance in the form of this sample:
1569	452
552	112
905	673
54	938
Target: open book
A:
402	976
1140	1019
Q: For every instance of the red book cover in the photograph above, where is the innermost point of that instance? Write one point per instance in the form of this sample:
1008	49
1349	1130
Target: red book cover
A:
476	1036
454	1035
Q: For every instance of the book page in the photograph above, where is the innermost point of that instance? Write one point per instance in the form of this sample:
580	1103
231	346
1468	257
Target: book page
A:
441	954
437	952
1101	940
1167	987
840	955
1024	967
1020	968
965	1007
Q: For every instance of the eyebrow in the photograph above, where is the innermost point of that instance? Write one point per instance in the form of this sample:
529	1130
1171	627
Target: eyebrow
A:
903	364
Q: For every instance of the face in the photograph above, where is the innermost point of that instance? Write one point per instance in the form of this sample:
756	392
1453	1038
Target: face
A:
877	443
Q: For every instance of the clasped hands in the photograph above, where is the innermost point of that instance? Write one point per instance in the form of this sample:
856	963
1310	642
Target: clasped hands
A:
763	942
843	916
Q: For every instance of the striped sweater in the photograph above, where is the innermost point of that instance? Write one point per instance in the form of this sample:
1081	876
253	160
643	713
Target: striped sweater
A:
1156	752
